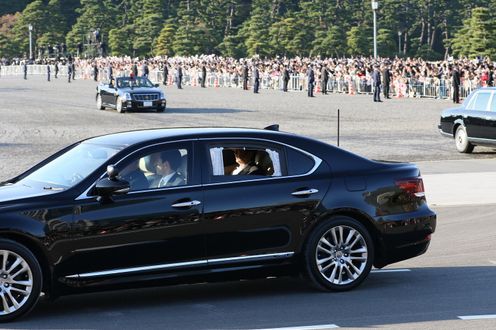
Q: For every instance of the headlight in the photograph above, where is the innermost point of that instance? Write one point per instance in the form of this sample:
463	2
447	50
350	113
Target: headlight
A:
127	96
162	95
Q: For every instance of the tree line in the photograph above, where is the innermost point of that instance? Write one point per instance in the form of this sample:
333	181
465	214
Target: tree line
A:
242	28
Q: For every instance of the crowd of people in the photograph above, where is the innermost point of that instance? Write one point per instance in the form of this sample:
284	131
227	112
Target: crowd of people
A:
349	75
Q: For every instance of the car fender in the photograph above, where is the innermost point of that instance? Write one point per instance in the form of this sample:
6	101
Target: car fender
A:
457	123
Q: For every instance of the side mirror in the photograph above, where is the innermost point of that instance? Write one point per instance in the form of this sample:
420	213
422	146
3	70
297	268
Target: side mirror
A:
156	85
108	187
112	172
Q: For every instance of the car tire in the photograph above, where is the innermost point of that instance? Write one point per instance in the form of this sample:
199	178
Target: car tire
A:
21	283
160	109
461	140
99	103
339	254
118	105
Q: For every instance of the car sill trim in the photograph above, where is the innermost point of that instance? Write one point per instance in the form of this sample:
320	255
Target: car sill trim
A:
259	257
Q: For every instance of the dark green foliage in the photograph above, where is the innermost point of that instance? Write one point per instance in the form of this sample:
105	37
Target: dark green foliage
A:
12	6
121	41
477	36
239	28
147	26
93	14
163	46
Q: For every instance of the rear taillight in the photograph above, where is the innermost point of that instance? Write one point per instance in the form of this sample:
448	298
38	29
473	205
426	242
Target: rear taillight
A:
414	186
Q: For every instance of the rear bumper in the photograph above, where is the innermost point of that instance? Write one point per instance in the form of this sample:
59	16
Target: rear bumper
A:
404	237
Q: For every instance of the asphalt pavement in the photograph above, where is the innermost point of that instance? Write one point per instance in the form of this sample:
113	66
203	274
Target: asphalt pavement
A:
451	286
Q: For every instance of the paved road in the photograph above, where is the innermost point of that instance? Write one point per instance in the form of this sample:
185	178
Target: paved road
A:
454	278
38	118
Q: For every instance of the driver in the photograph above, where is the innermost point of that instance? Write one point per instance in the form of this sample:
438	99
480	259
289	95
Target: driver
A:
136	178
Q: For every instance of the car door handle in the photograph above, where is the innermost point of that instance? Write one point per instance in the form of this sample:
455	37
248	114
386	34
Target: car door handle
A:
186	204
305	192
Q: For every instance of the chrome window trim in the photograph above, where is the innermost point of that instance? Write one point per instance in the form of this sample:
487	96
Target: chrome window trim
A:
258	257
317	162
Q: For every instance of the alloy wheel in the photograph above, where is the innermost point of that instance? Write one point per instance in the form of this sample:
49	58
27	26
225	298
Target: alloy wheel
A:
341	255
16	282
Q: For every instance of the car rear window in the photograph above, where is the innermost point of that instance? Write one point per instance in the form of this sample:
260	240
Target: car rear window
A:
298	163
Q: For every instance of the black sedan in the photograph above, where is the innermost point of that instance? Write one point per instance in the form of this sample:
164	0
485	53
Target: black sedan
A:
130	94
473	123
167	206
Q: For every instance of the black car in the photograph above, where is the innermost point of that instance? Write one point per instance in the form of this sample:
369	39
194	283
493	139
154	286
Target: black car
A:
473	123
165	206
130	93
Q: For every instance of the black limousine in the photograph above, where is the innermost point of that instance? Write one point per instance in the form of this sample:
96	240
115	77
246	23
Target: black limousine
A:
130	94
185	205
473	123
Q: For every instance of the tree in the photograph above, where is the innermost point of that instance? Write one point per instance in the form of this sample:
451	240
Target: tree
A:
37	15
476	37
359	41
7	47
147	26
481	33
190	37
120	41
330	43
255	30
94	14
56	27
386	43
163	46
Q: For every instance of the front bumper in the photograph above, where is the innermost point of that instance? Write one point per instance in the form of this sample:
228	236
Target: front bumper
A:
404	237
144	105
443	133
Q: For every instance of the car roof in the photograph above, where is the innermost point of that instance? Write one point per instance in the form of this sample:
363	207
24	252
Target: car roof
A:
130	138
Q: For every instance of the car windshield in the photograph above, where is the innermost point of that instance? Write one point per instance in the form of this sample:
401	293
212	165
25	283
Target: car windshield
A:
72	166
127	82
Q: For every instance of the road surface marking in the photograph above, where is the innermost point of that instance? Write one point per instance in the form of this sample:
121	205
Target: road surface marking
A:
390	270
477	317
309	327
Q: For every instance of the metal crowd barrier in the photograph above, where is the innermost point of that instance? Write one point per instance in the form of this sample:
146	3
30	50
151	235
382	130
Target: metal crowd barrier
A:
352	84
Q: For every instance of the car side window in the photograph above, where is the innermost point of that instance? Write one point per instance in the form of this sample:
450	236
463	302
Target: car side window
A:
481	101
164	167
493	104
298	162
238	161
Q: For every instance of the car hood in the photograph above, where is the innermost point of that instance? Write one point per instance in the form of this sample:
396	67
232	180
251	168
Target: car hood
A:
11	192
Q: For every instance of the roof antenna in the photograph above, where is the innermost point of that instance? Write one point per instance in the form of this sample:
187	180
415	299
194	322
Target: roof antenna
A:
274	127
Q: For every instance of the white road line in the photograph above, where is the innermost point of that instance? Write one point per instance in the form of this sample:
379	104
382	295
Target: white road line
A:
477	317
309	327
492	261
390	270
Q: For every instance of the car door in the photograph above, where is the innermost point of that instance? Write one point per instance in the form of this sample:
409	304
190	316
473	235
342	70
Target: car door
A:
110	94
151	227
259	217
476	114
